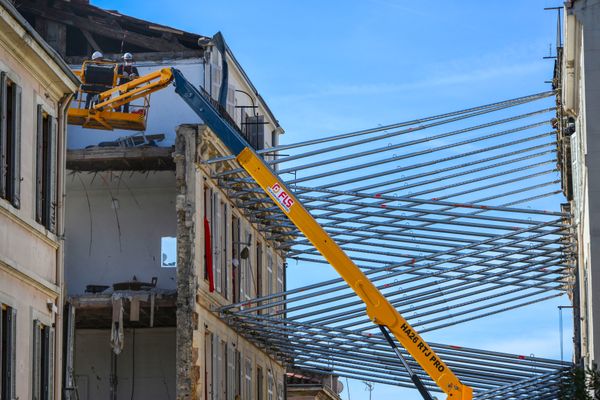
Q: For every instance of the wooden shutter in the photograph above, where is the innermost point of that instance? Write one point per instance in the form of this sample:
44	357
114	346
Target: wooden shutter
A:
15	168
217	242
3	133
49	347
12	349
39	165
231	101
69	352
231	377
36	361
216	76
215	367
51	204
224	249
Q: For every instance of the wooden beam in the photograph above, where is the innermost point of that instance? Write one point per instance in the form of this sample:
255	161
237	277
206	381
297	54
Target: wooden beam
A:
90	39
144	56
121	159
101	28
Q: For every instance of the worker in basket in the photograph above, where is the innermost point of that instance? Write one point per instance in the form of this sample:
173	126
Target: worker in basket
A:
127	72
98	76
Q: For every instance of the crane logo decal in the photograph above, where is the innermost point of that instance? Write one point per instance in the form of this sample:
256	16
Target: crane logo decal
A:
283	198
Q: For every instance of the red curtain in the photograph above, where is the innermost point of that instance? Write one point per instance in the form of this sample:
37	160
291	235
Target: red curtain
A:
208	255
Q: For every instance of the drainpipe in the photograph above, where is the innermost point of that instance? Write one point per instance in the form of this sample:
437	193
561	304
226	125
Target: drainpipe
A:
63	105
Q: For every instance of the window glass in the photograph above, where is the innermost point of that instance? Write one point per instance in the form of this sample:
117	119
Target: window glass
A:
168	251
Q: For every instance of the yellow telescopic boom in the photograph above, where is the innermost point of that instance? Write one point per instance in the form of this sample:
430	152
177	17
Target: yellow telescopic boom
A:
379	310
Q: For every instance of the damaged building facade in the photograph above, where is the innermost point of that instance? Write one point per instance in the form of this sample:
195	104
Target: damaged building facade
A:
576	78
154	243
35	88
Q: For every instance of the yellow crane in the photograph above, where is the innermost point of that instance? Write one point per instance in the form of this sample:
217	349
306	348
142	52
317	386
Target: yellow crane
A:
104	114
102	110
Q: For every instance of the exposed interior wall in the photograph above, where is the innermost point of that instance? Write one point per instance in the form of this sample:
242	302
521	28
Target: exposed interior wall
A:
146	366
114	225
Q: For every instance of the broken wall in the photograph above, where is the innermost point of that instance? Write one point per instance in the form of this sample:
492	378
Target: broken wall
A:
213	360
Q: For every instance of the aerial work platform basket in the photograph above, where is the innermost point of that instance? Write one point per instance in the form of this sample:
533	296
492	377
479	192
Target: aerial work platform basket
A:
102	104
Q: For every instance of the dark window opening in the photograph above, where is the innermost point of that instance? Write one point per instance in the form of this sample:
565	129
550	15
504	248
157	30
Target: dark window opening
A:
10	140
46	170
7	352
43	362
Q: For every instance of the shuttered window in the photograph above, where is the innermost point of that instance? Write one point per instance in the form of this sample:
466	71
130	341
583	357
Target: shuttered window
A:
46	170
8	348
231	376
223	249
10	140
248	380
43	362
280	284
270	386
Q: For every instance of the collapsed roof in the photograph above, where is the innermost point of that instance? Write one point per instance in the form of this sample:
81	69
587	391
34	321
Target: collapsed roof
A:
76	29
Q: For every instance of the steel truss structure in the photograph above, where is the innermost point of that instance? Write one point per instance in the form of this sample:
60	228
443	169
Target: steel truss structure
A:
454	217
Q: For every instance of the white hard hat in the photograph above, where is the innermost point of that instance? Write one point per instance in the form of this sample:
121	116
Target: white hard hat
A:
127	56
97	55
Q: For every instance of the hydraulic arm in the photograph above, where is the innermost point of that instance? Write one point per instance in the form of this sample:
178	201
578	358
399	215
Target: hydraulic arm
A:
379	310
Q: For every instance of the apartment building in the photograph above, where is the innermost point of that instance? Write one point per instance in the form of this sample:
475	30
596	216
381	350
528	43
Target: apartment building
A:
154	243
577	77
35	88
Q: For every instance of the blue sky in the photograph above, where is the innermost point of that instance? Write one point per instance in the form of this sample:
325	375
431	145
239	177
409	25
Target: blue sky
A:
327	67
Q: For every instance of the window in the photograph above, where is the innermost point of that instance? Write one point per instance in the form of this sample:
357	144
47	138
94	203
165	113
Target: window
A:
280	390
280	283
231	101
208	365
219	368
10	140
238	374
207	231
168	251
235	258
259	384
270	274
8	347
223	249
43	362
46	170
231	376
259	267
247	278
216	74
270	386
216	240
248	380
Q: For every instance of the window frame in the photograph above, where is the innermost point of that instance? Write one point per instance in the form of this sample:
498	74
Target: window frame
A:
10	140
8	341
46	169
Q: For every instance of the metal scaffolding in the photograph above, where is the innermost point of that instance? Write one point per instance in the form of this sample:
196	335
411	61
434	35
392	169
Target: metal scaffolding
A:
454	217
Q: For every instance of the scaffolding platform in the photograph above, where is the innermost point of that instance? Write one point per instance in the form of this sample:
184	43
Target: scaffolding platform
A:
107	120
